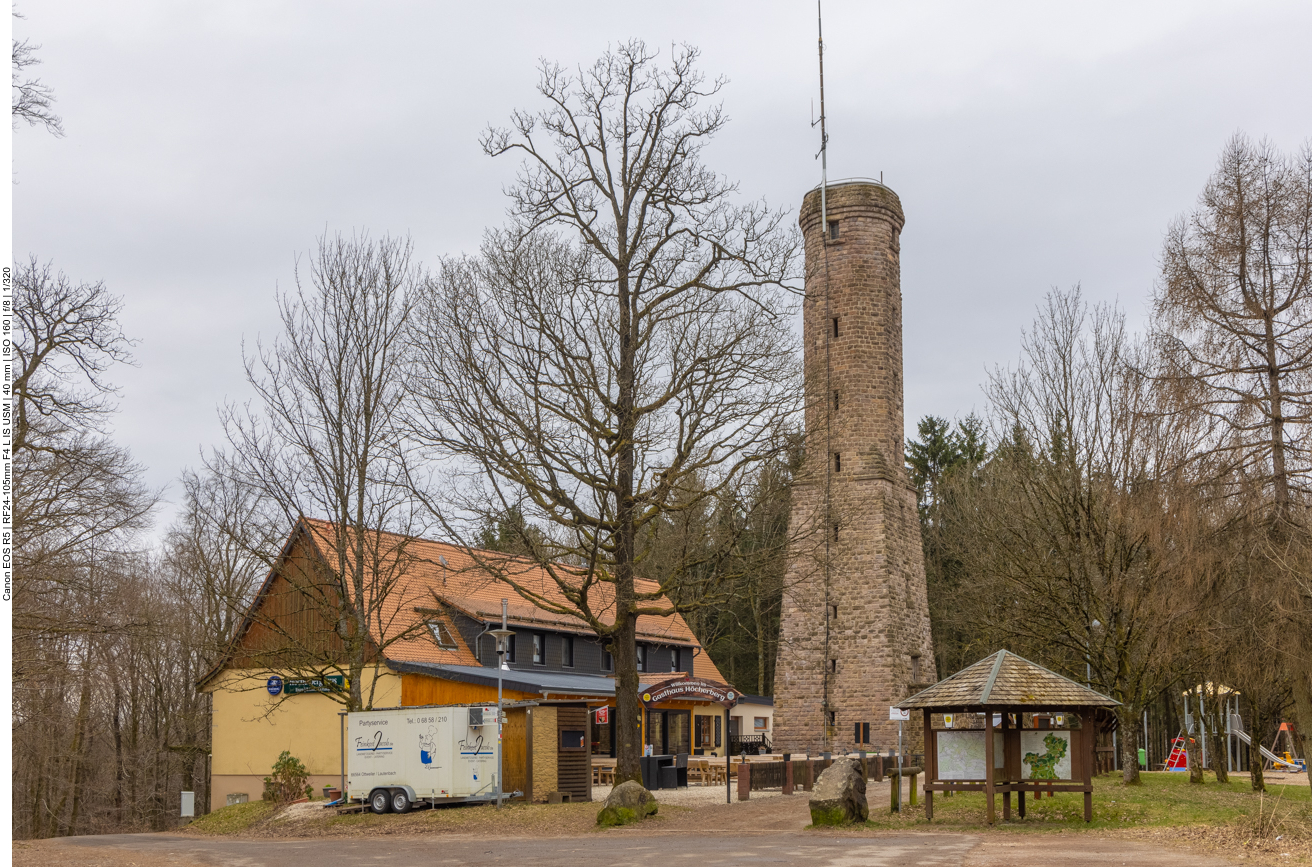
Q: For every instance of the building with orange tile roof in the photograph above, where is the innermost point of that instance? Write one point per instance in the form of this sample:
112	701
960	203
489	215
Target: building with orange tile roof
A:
430	644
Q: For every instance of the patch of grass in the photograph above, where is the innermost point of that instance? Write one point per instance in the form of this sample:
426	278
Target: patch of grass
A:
236	819
1162	800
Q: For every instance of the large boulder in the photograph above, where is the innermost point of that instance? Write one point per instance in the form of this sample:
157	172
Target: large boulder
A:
627	803
839	796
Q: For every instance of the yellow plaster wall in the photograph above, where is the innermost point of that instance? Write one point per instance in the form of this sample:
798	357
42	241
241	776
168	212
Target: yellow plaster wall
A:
251	727
717	713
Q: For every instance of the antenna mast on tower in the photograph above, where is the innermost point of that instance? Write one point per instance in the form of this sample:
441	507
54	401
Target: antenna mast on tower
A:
830	529
824	136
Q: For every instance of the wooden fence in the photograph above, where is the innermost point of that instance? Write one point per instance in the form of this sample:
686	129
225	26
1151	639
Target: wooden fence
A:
760	776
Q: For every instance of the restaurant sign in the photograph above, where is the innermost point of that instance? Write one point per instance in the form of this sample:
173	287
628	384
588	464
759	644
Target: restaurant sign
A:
690	689
299	685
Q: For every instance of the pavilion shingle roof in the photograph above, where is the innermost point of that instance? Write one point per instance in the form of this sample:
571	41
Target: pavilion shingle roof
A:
1007	679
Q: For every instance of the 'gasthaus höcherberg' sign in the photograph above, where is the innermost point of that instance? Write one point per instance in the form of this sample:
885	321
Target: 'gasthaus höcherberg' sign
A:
690	689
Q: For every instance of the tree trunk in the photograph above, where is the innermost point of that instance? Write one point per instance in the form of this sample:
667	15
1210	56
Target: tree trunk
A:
628	727
1303	714
1129	720
1191	741
116	726
1216	735
760	641
79	747
1279	472
1256	727
623	638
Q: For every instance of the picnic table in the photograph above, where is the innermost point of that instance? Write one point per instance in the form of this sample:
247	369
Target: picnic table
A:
603	771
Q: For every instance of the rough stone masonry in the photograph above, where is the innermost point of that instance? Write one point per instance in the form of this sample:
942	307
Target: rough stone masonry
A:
855	622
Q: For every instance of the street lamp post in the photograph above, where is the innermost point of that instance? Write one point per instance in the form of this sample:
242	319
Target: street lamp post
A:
502	636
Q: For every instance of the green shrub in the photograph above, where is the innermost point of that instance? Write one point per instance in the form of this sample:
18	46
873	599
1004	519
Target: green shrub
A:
288	780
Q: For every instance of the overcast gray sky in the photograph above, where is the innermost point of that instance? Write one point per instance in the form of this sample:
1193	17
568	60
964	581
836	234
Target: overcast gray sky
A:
1033	145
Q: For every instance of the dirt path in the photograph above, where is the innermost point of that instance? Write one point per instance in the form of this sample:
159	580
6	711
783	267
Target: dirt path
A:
613	850
760	830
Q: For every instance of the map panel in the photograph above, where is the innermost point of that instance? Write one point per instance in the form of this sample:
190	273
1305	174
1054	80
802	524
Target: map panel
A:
961	754
1045	755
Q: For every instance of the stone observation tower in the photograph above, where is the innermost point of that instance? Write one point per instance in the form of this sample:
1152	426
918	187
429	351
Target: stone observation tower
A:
855	621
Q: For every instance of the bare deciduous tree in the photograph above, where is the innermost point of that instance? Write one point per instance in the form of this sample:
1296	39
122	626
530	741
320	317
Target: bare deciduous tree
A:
326	442
1234	325
216	554
1070	534
1234	313
75	491
622	351
30	99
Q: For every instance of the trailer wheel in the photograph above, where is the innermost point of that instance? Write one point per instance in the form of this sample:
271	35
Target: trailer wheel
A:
400	801
380	801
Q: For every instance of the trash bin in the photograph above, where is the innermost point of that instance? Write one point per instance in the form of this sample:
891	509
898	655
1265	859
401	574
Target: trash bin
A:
1143	759
669	777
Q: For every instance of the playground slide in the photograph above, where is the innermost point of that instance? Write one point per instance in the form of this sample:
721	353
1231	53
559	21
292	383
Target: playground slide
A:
1293	766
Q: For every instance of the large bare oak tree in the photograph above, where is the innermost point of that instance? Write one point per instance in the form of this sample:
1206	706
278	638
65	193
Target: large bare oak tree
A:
619	353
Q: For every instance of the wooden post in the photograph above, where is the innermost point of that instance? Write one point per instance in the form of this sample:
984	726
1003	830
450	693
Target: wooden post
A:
1020	765
810	773
879	769
1087	735
988	766
744	780
788	773
931	765
1006	768
728	758
912	799
894	792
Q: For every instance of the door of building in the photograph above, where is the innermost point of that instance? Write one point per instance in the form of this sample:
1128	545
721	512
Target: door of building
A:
678	731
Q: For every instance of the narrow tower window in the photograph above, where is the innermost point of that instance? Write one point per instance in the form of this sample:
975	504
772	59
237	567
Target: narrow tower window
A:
915	668
838	462
835	321
833	230
833	717
835	532
833	612
833	665
835	400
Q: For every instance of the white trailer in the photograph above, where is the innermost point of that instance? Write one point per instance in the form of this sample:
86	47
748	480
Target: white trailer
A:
400	757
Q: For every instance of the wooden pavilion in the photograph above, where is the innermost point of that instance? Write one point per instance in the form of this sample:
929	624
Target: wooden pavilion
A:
1032	727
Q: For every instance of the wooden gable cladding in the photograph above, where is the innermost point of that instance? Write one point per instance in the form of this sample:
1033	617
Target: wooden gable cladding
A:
290	617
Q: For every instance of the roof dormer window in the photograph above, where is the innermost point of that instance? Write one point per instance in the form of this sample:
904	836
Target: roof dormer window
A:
442	634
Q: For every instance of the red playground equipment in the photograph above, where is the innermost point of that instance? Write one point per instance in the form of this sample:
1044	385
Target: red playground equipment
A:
1178	760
